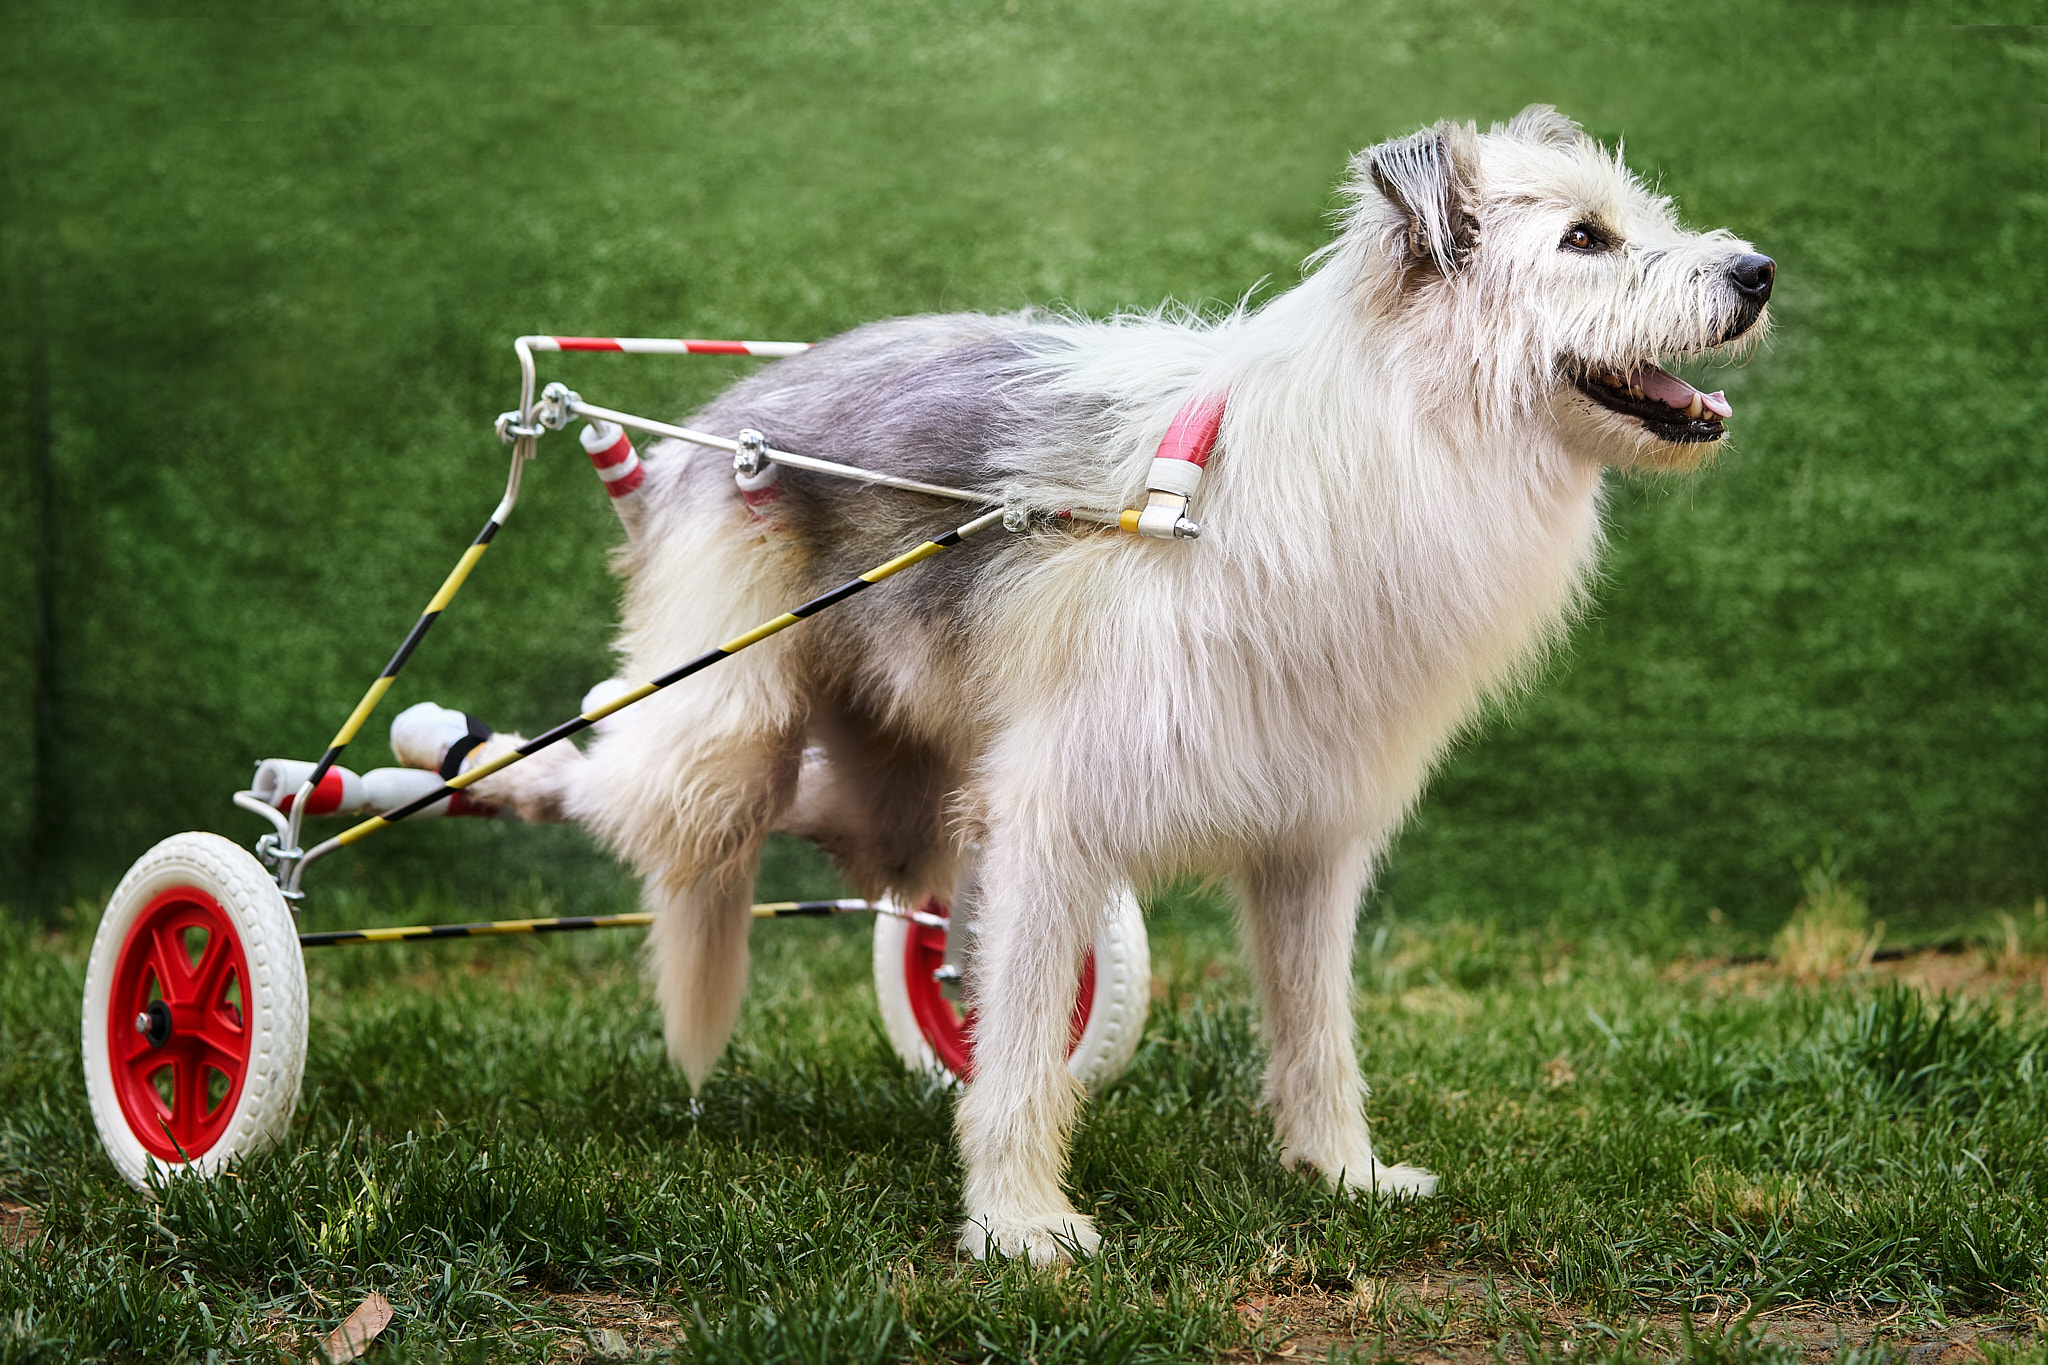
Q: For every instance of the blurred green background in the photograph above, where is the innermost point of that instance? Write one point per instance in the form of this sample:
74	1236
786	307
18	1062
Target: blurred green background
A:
260	265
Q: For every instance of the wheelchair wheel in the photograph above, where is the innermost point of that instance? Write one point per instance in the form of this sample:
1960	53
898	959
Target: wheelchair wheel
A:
195	1011
934	1036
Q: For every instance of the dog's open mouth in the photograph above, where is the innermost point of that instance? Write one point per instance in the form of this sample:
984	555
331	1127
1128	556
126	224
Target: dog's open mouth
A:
1668	406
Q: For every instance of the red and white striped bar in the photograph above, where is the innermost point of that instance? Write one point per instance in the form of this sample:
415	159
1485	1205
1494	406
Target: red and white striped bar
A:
668	346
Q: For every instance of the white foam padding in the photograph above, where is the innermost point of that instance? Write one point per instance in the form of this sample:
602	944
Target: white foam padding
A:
389	788
421	734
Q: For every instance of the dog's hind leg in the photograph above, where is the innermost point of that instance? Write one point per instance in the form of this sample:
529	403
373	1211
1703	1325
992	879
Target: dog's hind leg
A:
1037	914
697	949
686	785
698	848
1300	911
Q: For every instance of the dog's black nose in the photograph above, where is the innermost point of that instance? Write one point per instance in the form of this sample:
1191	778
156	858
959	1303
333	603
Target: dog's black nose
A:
1753	275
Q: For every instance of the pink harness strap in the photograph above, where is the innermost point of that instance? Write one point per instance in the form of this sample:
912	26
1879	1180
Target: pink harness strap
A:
1193	433
1177	470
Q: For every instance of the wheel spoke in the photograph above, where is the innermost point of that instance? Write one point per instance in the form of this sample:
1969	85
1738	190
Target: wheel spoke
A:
173	967
214	962
168	1116
130	1046
188	1116
206	1046
160	968
225	1023
141	1067
159	1104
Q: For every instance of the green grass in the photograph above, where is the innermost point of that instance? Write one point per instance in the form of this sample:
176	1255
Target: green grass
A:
259	266
490	1136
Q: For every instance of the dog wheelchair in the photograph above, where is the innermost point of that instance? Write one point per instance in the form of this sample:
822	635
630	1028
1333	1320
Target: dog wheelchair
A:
195	1013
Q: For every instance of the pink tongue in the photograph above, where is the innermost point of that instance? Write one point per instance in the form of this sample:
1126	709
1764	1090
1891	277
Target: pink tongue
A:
1669	389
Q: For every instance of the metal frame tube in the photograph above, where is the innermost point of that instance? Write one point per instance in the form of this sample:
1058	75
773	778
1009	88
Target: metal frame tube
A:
565	924
578	408
666	346
522	451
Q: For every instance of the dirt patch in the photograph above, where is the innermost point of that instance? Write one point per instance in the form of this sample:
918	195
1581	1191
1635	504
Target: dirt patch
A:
1470	1320
612	1326
1968	971
18	1225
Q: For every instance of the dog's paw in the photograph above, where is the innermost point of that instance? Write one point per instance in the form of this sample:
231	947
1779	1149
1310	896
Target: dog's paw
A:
1394	1182
1372	1177
1046	1240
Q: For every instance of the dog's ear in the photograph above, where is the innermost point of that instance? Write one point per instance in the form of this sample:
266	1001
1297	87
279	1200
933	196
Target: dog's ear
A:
1429	177
1543	125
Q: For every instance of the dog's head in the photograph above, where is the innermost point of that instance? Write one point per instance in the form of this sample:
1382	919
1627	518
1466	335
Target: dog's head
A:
1530	254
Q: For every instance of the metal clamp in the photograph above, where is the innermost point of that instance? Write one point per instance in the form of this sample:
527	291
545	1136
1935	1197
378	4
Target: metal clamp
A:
1164	517
752	454
277	851
556	406
510	428
283	864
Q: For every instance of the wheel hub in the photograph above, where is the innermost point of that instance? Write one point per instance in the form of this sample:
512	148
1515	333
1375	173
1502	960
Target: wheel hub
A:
154	1023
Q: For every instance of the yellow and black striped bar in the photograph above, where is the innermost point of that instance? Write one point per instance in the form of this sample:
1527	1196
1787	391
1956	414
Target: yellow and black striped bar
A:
564	924
697	665
449	587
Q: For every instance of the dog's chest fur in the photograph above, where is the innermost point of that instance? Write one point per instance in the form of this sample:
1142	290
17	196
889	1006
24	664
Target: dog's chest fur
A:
1302	665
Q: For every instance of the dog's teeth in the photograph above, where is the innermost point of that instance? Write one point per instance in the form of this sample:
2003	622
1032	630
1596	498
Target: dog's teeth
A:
1695	407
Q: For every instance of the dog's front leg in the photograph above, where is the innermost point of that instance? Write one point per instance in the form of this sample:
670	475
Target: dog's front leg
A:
1300	910
1014	1120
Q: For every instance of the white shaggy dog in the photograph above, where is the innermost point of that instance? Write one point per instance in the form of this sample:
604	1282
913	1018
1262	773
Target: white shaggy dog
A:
1403	508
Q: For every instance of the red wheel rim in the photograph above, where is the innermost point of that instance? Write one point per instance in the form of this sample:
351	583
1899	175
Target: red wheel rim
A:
181	972
948	1030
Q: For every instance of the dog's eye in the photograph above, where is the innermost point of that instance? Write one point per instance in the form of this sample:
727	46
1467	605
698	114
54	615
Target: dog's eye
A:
1585	237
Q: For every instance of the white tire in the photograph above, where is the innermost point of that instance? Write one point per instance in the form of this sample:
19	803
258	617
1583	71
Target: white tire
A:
926	1031
195	1011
